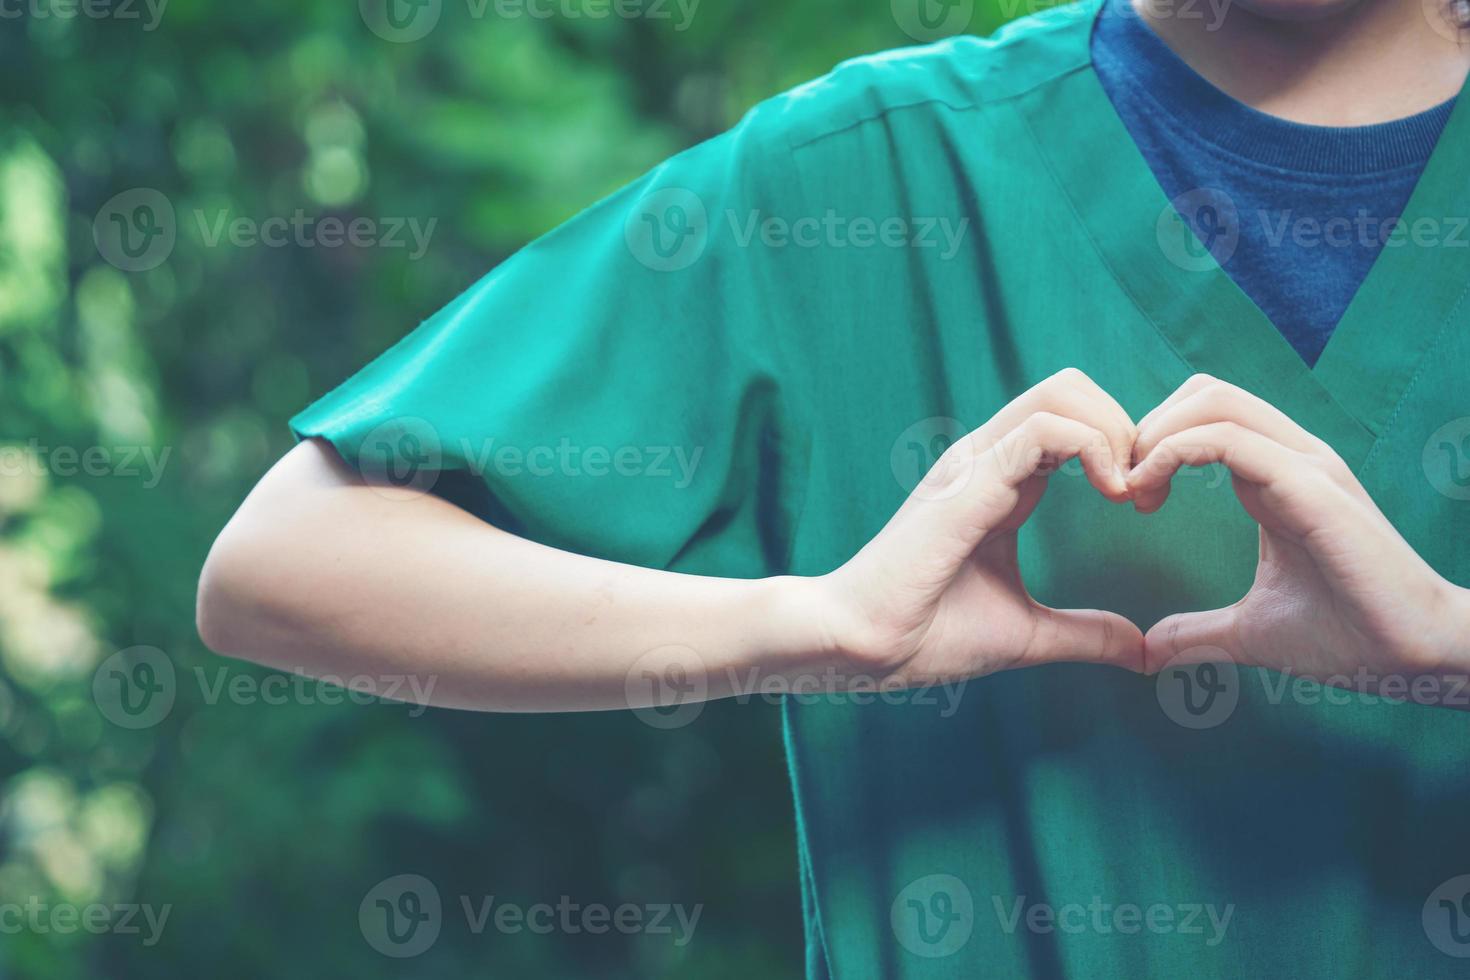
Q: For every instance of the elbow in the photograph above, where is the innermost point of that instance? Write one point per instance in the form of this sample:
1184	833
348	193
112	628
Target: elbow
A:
236	606
220	606
249	603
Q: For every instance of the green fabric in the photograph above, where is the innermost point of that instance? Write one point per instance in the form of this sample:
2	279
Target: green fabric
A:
803	376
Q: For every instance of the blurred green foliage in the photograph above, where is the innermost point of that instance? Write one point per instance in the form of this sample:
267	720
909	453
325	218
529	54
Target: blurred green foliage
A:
262	826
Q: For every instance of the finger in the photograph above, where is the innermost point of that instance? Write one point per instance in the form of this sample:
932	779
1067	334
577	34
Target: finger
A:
1191	384
1287	492
1147	502
1218	401
1091	636
1042	444
1248	454
1150	501
1071	394
1203	400
1194	638
963	498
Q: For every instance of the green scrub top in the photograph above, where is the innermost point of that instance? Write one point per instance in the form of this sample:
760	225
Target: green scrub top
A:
804	311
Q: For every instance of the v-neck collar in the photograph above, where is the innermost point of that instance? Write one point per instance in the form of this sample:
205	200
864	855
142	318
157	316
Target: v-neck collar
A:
1408	298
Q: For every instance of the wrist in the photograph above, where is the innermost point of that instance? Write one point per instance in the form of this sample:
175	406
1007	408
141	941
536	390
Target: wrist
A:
795	635
1453	615
818	630
852	643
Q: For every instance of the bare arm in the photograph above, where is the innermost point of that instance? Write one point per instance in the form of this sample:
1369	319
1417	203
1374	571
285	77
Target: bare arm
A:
321	573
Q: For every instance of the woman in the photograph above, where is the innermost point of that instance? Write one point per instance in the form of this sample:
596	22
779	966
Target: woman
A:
1142	238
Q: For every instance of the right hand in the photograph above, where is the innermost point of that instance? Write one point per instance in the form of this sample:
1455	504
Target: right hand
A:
937	595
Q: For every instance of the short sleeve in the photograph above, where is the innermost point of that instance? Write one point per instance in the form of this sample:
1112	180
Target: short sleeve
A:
618	388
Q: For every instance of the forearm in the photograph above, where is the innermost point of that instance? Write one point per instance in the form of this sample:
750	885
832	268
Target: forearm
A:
322	574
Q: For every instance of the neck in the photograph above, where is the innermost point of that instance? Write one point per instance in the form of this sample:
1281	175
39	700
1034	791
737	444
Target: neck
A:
1369	62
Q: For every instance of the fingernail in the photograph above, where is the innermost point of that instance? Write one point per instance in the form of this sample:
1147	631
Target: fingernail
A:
1122	480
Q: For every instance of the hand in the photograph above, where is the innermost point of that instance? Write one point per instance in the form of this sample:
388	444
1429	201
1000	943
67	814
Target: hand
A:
937	595
1338	594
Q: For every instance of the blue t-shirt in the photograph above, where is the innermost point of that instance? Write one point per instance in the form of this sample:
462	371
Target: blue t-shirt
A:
1295	214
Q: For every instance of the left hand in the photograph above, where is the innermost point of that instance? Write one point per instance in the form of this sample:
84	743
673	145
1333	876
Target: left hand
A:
1339	596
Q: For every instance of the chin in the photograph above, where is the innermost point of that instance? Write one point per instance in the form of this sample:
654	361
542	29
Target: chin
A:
1297	10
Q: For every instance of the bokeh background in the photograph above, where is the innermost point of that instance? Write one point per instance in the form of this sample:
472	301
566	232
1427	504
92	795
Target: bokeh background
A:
145	384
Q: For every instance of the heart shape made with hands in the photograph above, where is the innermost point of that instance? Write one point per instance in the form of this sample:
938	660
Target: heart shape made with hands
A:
1337	591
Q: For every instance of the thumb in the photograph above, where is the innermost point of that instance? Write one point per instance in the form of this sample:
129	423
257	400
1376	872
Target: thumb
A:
1193	638
1091	636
